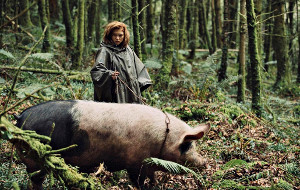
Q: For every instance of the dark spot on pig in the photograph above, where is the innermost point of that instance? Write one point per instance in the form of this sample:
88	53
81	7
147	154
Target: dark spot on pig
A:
184	147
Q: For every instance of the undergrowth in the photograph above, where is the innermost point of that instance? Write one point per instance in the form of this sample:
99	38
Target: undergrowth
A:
243	151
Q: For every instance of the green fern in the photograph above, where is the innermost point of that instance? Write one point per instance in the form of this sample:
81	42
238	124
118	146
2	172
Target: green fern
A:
6	54
42	56
171	166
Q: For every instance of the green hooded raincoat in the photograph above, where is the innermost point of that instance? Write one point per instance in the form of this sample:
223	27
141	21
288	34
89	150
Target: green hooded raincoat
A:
133	73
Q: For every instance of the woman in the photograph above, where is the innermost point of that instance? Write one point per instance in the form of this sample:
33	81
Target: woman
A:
118	74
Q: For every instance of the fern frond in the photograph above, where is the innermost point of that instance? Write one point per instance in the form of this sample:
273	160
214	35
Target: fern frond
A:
170	166
6	54
42	56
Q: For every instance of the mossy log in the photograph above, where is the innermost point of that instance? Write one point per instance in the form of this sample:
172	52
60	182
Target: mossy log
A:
36	147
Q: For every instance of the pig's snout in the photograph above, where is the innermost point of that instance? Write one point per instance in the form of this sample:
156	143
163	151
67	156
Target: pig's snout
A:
195	160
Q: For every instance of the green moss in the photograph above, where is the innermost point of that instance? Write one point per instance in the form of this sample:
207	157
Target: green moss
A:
234	163
282	185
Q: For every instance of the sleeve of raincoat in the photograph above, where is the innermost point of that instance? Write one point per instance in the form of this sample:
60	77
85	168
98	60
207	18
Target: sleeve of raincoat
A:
142	74
101	73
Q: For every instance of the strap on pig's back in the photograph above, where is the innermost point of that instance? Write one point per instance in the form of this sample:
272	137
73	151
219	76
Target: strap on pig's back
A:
167	121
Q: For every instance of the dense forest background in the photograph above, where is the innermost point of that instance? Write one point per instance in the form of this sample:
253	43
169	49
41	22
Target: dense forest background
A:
233	64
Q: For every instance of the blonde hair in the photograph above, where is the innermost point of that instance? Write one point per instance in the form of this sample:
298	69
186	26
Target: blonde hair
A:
107	36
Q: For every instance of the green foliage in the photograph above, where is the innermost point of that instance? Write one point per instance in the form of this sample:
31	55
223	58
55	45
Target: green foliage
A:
170	166
42	56
282	185
234	163
6	55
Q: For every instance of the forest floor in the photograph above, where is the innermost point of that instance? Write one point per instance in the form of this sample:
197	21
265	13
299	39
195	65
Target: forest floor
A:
243	151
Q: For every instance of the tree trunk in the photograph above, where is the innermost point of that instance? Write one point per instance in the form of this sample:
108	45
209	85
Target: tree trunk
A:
254	58
67	19
54	9
280	45
205	28
193	42
258	12
92	15
222	74
80	40
150	23
142	25
110	10
268	38
214	27
189	18
135	27
298	77
218	22
98	23
2	7
182	23
44	23
291	33
232	25
242	54
25	19
163	77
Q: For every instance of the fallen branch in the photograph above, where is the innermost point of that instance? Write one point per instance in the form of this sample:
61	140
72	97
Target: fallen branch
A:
43	155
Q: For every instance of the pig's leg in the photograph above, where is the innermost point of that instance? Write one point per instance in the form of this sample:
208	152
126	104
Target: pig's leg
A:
137	176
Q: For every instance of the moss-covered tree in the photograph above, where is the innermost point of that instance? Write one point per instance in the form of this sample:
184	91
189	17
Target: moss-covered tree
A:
218	21
280	45
150	23
43	13
169	35
232	23
214	27
80	39
194	34
268	36
98	23
67	19
1	21
258	11
242	53
25	19
254	58
206	36
182	9
142	24
135	28
222	73
91	24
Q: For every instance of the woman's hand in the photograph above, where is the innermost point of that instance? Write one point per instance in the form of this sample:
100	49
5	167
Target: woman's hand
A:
115	75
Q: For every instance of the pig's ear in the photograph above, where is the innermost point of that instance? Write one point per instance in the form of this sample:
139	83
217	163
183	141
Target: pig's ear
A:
197	133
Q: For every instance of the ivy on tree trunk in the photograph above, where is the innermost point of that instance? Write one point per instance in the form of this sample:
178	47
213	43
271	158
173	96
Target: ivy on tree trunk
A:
254	58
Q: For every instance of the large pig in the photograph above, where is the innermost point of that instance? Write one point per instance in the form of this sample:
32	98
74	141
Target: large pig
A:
120	135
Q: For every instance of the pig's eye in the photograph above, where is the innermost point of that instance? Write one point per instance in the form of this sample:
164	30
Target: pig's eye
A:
184	147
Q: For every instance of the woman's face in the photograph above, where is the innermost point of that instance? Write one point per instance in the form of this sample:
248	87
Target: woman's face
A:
117	36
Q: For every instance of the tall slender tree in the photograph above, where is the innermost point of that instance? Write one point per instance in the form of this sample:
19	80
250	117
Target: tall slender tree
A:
25	19
214	27
193	42
218	21
142	24
150	22
254	58
182	23
98	22
1	21
280	45
169	31
80	40
135	28
258	12
42	7
242	53
232	23
222	74
268	36
91	24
